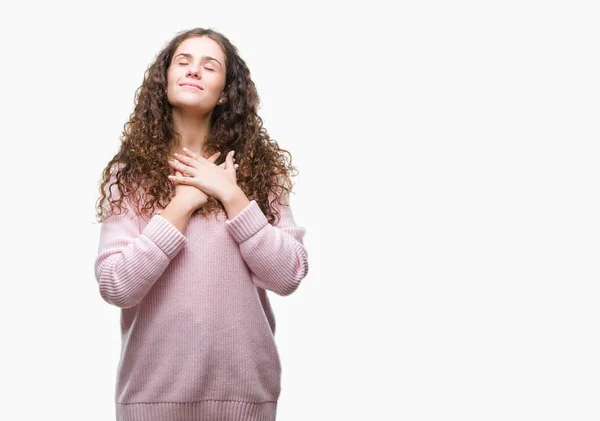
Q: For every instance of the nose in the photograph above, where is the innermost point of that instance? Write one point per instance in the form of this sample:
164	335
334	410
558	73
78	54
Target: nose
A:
193	70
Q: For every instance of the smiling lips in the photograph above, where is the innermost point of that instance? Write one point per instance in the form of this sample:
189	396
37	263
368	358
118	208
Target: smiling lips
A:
192	86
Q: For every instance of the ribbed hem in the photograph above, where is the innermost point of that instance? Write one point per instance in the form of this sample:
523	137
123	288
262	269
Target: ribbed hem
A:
247	223
165	235
209	410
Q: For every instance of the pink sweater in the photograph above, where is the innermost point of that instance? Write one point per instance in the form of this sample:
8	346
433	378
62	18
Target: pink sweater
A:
197	328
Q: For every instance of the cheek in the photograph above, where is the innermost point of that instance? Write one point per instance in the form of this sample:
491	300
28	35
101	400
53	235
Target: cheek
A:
172	78
217	83
170	81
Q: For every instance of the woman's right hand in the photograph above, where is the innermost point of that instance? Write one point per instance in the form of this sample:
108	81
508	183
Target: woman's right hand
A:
193	196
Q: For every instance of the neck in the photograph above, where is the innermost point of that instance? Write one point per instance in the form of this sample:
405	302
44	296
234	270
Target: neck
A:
193	129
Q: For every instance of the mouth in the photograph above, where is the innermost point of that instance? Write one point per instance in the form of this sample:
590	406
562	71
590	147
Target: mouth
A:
188	85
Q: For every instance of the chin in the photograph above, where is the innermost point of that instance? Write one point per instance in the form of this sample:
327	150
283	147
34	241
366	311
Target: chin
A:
192	106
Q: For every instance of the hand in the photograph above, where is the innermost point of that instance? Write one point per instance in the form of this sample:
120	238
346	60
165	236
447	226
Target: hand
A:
204	175
195	197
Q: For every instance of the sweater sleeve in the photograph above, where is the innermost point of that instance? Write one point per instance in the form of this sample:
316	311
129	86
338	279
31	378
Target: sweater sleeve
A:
274	253
130	260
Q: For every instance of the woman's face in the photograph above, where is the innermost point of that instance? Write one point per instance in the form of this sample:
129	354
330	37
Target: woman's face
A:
196	75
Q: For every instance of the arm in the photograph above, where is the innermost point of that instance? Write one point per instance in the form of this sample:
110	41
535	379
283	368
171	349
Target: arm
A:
130	259
275	254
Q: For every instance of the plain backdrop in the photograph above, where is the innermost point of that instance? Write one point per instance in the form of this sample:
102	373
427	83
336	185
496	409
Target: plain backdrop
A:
448	158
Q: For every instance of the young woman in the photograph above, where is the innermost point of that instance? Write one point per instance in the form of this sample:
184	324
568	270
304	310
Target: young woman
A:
191	241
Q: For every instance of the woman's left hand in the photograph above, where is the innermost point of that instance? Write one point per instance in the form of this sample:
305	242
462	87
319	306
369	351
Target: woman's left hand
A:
200	172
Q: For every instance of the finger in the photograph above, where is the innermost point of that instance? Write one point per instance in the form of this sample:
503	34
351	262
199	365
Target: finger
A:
229	166
190	153
185	169
187	160
194	155
197	157
178	178
214	157
236	166
176	174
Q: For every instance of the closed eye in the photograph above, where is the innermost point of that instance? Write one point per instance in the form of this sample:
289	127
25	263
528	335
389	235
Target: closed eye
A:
207	68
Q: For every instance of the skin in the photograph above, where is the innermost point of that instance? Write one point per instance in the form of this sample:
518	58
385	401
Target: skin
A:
196	176
192	108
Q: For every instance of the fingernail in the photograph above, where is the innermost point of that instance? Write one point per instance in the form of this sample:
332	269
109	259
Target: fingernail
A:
232	153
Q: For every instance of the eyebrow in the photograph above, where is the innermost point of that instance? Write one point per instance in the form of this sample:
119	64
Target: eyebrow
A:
188	55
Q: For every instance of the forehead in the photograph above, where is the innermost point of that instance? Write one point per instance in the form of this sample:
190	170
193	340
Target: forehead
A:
199	46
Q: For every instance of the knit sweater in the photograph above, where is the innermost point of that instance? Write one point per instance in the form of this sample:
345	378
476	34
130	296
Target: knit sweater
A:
197	330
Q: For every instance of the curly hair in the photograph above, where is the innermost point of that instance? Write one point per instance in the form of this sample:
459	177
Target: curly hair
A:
149	139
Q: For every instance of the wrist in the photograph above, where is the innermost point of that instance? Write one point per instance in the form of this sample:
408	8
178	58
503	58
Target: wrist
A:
234	201
231	195
183	205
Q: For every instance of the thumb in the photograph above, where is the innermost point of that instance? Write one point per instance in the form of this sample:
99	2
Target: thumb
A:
229	159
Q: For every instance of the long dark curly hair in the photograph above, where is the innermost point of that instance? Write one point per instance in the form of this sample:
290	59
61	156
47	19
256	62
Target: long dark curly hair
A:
140	168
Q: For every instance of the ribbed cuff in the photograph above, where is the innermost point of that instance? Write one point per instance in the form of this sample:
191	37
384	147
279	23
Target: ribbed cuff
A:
165	235
247	223
209	410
